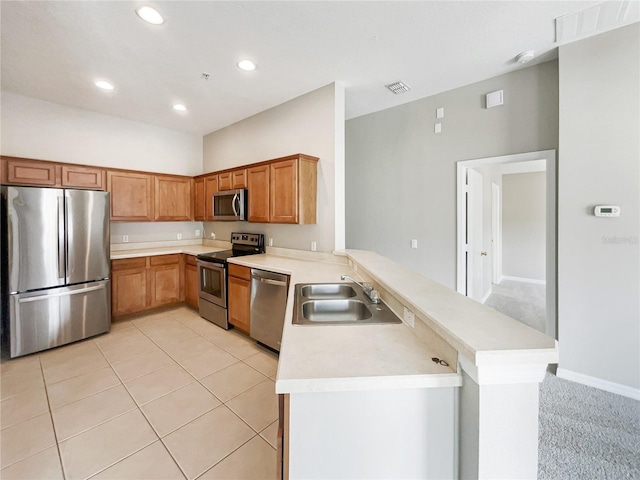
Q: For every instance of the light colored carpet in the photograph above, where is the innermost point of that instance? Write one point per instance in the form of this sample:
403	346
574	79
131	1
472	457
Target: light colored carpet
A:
523	301
586	433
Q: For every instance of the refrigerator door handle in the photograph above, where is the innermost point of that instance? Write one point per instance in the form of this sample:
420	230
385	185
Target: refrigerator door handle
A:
61	237
60	294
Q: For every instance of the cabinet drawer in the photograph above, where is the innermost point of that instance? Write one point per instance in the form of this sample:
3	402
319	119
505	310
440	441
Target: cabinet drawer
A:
128	263
239	271
173	259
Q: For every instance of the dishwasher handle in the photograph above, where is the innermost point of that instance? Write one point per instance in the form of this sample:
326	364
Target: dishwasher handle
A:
271	282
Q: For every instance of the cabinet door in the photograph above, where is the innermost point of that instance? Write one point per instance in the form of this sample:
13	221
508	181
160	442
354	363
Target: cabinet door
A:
224	181
191	284
172	198
239	303
82	177
239	179
165	279
131	196
210	187
128	290
258	185
31	172
198	213
284	192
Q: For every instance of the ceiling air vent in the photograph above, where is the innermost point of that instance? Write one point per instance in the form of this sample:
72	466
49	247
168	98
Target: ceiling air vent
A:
398	87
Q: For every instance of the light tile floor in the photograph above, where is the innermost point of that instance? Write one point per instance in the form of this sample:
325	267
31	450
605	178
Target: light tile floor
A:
163	396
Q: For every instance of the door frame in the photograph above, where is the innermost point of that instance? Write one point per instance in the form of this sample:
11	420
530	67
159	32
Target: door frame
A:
551	223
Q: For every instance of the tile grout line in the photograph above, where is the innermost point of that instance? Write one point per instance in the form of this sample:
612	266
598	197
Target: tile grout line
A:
53	425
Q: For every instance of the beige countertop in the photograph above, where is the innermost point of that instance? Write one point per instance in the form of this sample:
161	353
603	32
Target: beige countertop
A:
147	252
362	357
346	357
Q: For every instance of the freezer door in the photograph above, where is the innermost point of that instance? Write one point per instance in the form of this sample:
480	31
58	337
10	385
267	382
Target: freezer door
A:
49	318
87	235
35	237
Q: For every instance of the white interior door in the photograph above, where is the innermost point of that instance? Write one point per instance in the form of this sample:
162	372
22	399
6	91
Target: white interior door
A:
474	235
496	245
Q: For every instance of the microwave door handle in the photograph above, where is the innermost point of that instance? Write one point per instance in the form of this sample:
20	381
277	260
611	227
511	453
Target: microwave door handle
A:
233	204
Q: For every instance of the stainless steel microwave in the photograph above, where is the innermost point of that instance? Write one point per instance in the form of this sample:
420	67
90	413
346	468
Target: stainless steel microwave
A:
230	205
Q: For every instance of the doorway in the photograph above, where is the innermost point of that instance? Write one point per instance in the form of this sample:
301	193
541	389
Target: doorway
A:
477	273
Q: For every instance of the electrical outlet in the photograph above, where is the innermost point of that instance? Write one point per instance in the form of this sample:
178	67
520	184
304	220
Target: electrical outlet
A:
313	246
179	236
440	112
437	128
270	242
197	233
414	243
213	235
125	238
409	317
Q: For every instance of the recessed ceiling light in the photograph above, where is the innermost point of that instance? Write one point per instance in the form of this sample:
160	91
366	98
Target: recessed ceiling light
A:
150	15
525	57
179	107
104	85
246	65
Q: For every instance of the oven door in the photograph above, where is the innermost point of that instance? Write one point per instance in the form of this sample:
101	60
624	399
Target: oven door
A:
212	279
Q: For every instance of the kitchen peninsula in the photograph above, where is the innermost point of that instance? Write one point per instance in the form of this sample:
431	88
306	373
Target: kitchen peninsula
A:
372	395
376	401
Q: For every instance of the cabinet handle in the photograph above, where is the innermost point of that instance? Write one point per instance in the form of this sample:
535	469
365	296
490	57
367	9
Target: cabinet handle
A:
483	254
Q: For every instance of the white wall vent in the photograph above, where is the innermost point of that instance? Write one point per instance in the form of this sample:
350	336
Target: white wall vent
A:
398	87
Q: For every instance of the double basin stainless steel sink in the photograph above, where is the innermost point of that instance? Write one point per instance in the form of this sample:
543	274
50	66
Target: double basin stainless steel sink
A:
338	304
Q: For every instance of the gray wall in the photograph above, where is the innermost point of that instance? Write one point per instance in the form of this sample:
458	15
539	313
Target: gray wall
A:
401	176
523	225
598	258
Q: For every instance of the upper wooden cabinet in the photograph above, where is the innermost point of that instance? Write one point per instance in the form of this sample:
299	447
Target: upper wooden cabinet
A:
224	181
210	187
131	196
173	200
232	180
198	199
82	177
31	172
284	190
293	191
258	185
239	178
23	171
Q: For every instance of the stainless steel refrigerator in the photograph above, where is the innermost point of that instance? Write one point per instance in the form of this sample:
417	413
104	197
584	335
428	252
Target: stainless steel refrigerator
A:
55	267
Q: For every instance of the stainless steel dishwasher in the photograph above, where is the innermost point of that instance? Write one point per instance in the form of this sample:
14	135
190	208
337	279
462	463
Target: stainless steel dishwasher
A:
268	304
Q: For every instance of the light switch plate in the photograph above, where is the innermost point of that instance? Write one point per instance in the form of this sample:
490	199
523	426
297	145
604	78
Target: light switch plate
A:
440	112
414	243
438	128
495	99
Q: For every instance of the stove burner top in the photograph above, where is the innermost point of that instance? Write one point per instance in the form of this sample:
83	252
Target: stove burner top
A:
243	244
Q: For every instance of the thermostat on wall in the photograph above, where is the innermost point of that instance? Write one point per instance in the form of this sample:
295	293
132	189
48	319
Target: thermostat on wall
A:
606	211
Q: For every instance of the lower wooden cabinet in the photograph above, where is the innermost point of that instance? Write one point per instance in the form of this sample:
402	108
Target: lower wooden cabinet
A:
128	286
239	297
138	284
164	280
191	281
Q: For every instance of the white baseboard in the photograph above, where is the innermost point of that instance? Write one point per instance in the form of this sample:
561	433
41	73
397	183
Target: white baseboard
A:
486	297
605	385
523	279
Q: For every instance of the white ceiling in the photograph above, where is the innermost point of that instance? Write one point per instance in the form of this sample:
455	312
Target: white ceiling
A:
55	50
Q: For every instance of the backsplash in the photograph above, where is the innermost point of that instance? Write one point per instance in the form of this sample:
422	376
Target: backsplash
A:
140	232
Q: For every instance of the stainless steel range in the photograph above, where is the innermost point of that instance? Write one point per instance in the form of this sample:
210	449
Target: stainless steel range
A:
212	275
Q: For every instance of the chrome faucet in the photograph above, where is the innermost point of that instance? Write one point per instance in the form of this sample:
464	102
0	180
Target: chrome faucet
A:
371	293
